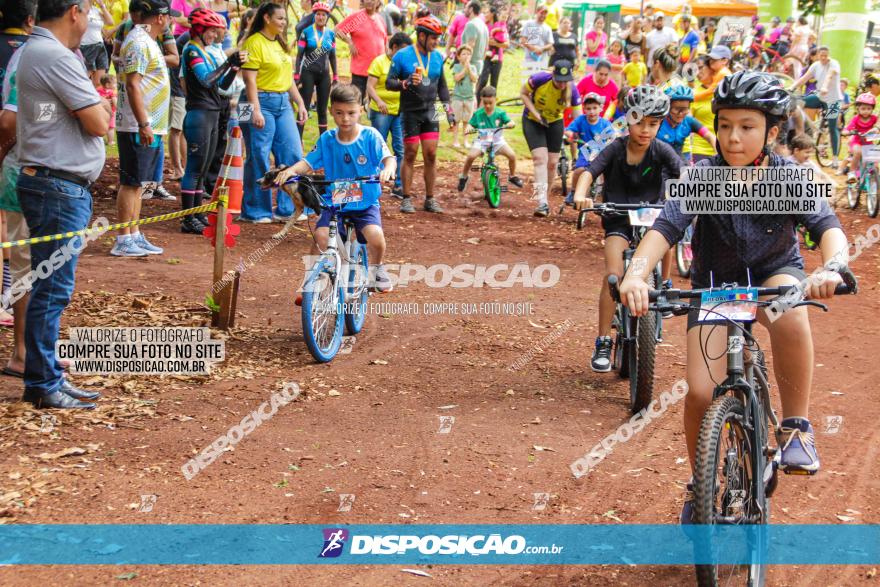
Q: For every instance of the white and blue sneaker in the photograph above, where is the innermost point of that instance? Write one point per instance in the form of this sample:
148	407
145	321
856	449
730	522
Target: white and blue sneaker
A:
127	247
151	249
798	444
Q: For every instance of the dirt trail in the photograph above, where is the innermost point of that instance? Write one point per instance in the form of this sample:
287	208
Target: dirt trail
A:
378	438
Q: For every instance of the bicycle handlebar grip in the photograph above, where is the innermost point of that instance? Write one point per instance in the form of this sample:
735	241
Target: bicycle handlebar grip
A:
613	288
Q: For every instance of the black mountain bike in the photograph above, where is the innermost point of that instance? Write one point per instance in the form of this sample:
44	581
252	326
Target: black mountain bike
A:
736	469
636	339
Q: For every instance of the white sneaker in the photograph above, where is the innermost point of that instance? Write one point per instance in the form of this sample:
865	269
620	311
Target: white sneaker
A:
280	218
127	248
151	249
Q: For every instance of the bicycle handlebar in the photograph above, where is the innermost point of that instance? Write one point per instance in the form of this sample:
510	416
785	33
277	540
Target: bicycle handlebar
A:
313	181
479	130
618	209
671	295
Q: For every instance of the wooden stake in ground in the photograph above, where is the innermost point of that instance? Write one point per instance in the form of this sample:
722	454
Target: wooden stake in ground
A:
228	296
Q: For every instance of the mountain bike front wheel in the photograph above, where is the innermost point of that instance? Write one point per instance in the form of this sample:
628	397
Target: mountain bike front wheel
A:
853	193
491	186
824	154
724	485
871	192
683	252
322	312
641	380
356	290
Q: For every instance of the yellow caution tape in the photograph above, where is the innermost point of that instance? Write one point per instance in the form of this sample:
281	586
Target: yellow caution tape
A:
161	218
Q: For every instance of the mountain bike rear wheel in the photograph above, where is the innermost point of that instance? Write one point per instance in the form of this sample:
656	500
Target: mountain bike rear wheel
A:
322	317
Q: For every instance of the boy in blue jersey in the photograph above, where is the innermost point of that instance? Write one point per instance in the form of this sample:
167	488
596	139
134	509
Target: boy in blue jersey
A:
351	150
583	129
679	124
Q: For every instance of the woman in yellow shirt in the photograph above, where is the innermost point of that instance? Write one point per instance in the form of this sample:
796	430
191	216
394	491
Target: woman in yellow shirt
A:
269	89
702	111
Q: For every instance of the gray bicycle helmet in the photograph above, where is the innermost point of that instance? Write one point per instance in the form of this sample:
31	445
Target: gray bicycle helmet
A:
752	90
647	101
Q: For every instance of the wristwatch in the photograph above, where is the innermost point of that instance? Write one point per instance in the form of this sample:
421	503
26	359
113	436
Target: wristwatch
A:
143	124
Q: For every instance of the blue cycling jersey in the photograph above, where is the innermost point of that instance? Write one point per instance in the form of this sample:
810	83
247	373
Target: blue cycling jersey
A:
677	135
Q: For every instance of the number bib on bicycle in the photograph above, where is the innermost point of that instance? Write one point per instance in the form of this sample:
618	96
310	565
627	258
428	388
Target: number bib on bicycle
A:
732	304
361	157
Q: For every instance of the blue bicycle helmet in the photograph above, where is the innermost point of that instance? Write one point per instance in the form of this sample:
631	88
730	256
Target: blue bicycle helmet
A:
680	92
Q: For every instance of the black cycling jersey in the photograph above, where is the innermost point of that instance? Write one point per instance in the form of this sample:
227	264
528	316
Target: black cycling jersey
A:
204	73
631	184
728	244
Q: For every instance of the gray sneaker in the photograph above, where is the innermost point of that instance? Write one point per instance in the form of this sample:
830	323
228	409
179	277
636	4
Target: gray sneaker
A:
543	210
151	249
431	205
406	206
160	193
127	248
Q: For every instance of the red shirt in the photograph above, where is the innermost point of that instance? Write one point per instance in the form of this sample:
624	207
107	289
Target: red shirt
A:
609	91
368	34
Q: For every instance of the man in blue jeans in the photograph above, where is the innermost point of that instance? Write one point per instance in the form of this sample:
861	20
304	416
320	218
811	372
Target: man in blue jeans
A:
385	104
61	152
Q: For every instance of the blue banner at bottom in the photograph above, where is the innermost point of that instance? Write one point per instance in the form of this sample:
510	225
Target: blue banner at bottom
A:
484	544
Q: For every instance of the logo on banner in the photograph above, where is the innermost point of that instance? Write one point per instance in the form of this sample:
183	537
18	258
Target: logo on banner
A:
334	540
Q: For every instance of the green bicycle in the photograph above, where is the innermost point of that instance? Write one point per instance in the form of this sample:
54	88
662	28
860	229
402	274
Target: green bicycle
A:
490	178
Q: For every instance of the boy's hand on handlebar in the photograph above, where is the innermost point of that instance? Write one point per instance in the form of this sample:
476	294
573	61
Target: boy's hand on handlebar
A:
581	202
386	174
634	294
821	285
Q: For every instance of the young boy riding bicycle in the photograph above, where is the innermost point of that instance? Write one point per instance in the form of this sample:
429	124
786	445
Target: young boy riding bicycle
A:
636	168
487	118
351	150
758	249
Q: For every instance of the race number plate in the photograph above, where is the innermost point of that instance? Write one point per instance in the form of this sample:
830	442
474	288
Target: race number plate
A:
644	216
734	304
871	153
344	192
485	136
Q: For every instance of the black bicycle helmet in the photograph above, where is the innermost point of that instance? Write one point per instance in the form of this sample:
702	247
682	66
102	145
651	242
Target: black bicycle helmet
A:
647	101
753	90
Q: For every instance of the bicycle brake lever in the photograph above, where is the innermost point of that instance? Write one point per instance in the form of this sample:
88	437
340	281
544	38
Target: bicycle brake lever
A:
820	305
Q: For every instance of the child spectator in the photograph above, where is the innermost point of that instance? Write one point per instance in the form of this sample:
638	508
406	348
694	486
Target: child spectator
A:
465	76
635	70
108	92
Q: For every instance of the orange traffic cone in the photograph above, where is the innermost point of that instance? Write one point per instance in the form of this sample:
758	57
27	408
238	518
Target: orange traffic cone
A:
232	172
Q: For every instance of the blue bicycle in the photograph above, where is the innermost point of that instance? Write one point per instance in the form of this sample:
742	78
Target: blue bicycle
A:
335	290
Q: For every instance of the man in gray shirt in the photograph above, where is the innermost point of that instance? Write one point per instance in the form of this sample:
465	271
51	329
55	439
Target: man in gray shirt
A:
60	123
475	34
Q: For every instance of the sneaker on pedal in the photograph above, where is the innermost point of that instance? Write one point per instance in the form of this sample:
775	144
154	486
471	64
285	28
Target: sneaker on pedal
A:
798	445
601	362
462	183
543	210
406	205
569	199
397	192
515	180
381	281
687	510
431	205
